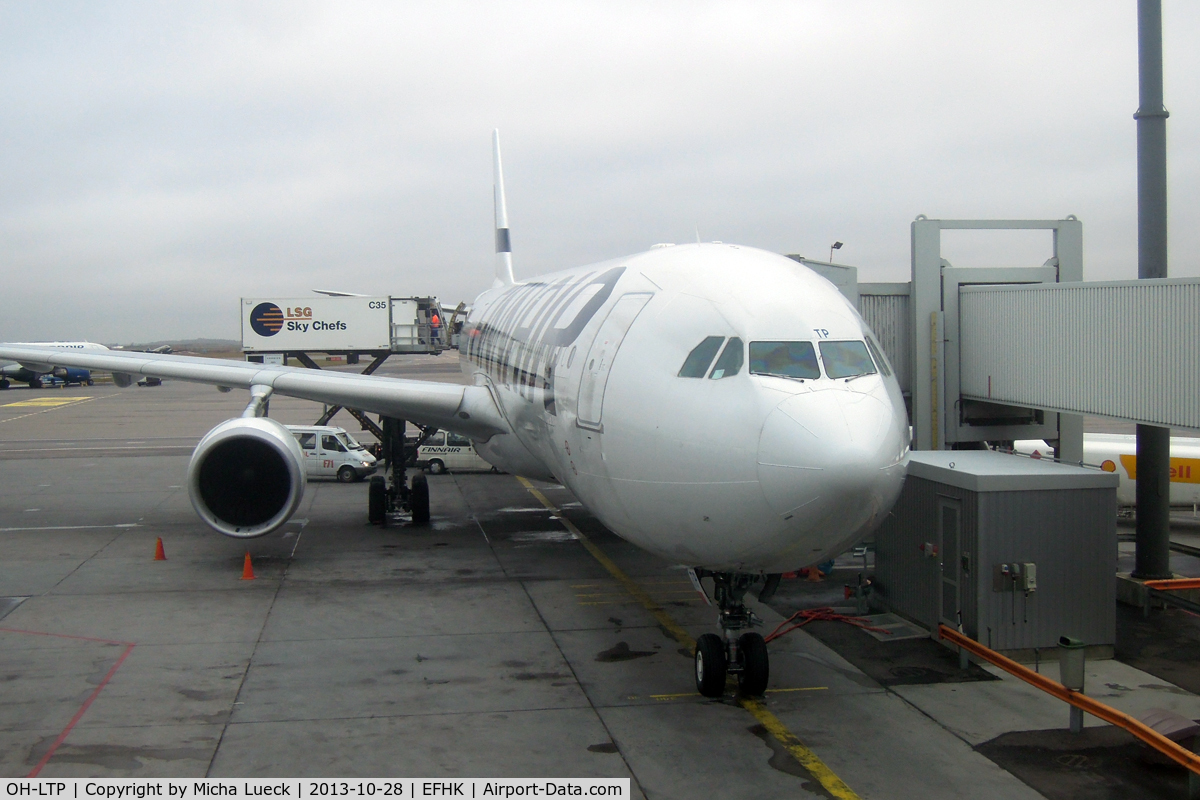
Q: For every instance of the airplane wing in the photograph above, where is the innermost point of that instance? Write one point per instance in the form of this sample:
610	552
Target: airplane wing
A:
469	410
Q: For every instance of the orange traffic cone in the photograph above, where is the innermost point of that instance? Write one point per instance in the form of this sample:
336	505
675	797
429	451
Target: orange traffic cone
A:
159	553
247	568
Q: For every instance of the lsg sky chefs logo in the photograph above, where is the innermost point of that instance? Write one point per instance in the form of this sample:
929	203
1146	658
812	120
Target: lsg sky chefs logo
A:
268	319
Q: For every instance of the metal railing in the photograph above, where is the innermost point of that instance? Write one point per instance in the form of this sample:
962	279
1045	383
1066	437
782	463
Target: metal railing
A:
1081	701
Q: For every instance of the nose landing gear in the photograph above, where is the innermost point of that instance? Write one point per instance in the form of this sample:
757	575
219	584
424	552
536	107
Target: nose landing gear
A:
740	654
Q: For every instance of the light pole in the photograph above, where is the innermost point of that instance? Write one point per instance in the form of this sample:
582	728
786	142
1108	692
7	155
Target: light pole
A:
832	247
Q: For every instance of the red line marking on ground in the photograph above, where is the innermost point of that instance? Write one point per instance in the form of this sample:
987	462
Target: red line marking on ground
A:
86	703
66	636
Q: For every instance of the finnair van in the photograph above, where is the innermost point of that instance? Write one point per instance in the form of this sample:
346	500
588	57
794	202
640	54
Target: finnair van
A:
449	451
332	453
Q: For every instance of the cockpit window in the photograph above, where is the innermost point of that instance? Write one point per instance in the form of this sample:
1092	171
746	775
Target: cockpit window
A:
696	364
730	362
846	359
877	354
784	359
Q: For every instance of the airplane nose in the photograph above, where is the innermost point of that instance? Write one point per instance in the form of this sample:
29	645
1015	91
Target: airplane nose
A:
824	458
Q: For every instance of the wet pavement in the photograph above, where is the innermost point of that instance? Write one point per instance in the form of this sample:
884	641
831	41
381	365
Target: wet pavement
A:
494	643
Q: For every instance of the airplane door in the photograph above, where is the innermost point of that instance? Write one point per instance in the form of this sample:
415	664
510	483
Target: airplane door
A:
599	361
949	547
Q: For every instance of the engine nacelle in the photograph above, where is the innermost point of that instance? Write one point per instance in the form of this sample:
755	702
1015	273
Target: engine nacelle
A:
246	477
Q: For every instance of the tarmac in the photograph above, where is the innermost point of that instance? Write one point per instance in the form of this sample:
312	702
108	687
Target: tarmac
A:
514	637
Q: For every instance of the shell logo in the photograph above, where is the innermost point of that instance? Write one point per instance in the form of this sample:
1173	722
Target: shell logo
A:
1108	465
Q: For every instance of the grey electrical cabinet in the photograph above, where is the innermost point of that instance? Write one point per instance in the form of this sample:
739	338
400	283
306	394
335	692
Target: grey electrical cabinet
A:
1017	551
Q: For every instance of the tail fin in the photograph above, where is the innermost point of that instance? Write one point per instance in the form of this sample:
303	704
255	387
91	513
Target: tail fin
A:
504	271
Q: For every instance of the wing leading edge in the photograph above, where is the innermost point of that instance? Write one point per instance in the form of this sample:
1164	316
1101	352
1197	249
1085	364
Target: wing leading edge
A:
469	410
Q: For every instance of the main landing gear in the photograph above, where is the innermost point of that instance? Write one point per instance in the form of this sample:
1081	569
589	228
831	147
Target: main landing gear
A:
742	654
387	498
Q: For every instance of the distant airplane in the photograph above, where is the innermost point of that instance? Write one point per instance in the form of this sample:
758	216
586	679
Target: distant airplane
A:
1117	452
336	293
722	407
33	373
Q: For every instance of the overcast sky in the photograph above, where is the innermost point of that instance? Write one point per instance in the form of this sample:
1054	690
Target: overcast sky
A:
162	160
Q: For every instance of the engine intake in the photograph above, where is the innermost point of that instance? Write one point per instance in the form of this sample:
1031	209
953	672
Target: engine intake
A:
246	477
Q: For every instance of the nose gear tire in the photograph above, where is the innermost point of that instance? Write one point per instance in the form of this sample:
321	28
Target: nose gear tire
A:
756	669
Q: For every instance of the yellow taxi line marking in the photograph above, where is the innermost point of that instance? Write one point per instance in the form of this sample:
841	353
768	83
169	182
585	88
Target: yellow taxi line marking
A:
52	408
769	691
43	402
645	583
629	602
622	594
807	758
799	751
634	589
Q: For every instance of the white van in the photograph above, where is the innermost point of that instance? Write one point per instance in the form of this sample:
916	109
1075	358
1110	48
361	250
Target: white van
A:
449	451
332	453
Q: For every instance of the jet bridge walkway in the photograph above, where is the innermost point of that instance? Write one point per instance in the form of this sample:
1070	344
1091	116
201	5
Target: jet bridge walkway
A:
1125	349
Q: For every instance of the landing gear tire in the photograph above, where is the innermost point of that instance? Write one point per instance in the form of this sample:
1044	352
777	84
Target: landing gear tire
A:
4	384
346	474
710	665
756	667
36	383
436	467
419	498
377	500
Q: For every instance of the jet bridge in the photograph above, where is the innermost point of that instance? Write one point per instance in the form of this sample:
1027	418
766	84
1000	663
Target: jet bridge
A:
1124	349
942	417
919	325
1023	352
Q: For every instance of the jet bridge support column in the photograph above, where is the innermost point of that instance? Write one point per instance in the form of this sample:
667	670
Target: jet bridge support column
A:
1152	558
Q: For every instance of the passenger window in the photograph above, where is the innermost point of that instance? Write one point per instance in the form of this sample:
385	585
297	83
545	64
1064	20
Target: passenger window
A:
696	364
784	360
331	444
455	440
846	359
877	354
730	362
437	440
308	441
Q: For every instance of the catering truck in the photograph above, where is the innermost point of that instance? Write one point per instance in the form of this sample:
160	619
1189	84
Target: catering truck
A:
355	324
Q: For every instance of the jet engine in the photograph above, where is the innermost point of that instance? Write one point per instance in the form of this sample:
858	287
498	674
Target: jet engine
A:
246	477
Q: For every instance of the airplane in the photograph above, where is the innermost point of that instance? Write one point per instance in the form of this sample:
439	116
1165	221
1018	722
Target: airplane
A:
1117	452
738	436
23	373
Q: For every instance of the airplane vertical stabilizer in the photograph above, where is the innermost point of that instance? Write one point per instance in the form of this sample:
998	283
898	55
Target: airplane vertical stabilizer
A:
504	271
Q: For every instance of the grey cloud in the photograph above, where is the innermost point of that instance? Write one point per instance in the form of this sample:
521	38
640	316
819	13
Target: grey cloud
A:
162	160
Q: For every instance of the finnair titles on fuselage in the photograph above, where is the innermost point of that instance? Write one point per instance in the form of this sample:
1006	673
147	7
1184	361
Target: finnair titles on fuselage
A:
717	405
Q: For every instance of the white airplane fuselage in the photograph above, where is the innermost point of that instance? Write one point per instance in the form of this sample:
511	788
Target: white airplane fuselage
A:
739	472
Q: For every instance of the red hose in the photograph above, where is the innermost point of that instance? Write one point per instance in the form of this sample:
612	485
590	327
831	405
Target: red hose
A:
825	614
